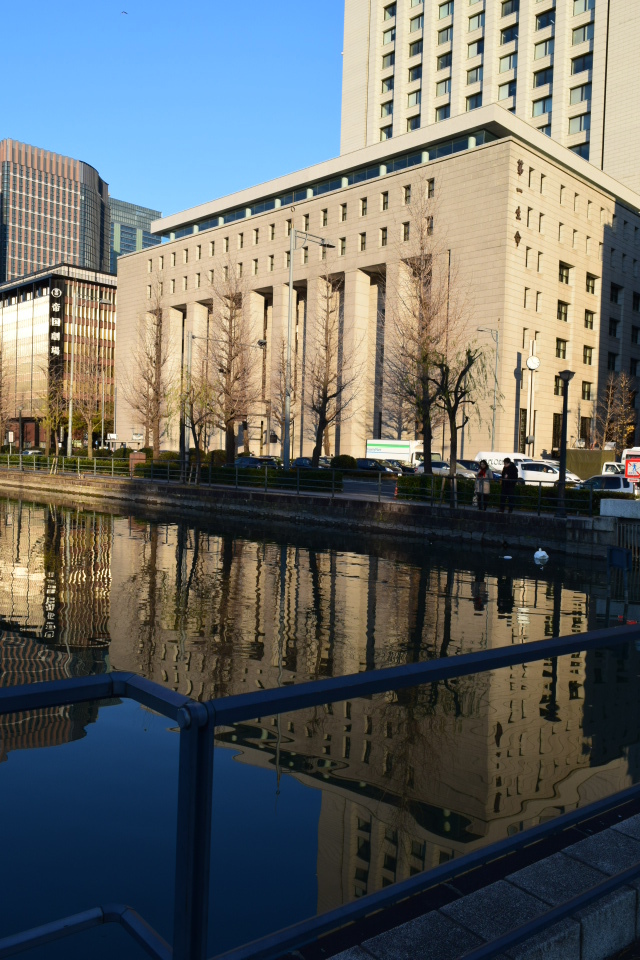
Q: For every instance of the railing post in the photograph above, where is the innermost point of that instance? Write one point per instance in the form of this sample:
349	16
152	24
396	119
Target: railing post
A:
298	480
265	478
210	468
193	835
168	472
333	484
78	463
539	497
590	501
95	468
379	484
236	478
111	466
34	462
63	464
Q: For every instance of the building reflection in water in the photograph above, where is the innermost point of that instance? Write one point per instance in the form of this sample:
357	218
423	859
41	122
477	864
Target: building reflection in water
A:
408	780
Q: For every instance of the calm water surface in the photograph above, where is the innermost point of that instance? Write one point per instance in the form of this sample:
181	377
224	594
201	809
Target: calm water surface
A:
317	807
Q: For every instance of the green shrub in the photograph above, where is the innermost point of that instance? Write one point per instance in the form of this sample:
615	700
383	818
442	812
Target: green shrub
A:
168	455
344	462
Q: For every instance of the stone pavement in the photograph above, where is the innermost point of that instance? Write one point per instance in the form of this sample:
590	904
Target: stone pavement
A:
606	929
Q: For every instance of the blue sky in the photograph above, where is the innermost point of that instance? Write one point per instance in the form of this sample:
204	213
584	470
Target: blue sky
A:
176	103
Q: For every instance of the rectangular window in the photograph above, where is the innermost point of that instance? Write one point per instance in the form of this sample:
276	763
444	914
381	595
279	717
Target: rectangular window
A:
591	283
579	94
387	85
586	390
474	102
508	63
388	36
343	212
563	311
199	252
160	263
413	122
173	259
386	132
558	387
324	218
390	11
612	361
442	113
633	367
506	90
271	262
272	231
415	48
212	248
406	230
442	87
542	77
581	6
363	207
509	7
546	19
563	272
388	60
474	75
475	49
363	242
442	62
255	268
588	319
415	73
476	22
582	34
581	123
383	236
613	327
615	295
542	106
149	292
509	34
149	266
587	355
445	10
384	200
579	64
406	194
445	36
413	99
635	304
431	188
543	49
561	349
240	241
342	246
635	335
185	256
416	24
172	286
226	244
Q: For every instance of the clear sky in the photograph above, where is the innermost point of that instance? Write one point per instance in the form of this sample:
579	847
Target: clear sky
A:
175	102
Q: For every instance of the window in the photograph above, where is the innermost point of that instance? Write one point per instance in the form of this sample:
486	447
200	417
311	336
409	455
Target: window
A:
431	188
416	24
542	77
561	349
506	90
579	64
474	75
225	272
212	248
540	259
185	256
240	241
149	266
384	200
271	262
633	367
587	355
199	252
442	63
613	327
390	11
476	22
324	217
363	207
546	19
563	272
197	283
442	113
343	212
255	268
305	221
172	286
386	109
210	276
612	361
509	34
413	123
475	49
508	63
558	387
581	123
582	34
543	49
635	304
415	48
415	73
413	99
226	244
383	236
173	259
385	133
149	291
305	254
445	10
591	283
509	7
443	87
579	94
160	263
587	389
406	195
342	246
582	150
581	6
444	36
616	293
474	102
538	301
388	60
544	105
272	231
635	335
363	242
406	230
563	311
429	226
388	36
387	85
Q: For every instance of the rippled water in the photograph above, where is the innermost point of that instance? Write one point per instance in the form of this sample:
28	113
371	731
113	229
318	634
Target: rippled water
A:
323	805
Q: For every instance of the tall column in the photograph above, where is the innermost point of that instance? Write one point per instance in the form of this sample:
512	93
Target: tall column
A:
279	338
358	340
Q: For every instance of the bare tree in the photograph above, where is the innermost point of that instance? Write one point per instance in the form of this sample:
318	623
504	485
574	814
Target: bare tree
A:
615	416
230	343
147	387
201	399
333	372
53	406
4	396
87	391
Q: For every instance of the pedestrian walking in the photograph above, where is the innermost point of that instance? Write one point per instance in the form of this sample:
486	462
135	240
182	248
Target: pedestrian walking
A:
483	486
508	480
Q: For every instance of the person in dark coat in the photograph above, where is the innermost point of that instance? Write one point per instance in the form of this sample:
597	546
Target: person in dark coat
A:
508	479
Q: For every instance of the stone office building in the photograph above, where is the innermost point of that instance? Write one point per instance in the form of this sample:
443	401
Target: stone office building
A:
546	246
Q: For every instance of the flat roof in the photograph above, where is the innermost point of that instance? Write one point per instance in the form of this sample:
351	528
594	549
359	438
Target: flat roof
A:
494	118
63	270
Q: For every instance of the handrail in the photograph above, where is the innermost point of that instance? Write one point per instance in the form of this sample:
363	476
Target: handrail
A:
197	723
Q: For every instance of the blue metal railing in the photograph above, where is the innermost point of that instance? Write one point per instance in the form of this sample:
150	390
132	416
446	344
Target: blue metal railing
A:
197	723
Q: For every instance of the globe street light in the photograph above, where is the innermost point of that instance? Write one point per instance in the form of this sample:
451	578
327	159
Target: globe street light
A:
566	376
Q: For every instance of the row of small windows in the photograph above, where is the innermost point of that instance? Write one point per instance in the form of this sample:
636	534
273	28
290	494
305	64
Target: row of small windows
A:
508	7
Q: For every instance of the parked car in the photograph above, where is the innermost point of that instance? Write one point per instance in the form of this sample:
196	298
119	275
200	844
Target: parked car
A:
609	483
467	472
570	477
367	463
402	467
274	463
304	463
325	462
534	472
395	467
246	463
439	468
612	467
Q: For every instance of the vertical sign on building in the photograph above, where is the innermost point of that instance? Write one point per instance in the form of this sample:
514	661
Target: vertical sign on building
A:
56	324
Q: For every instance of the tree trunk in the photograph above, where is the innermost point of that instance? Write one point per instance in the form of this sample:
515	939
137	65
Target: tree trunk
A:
453	458
245	437
230	443
426	423
89	439
317	450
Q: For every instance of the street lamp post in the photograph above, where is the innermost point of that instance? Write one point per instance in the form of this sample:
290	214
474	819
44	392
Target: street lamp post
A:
293	239
566	376
495	336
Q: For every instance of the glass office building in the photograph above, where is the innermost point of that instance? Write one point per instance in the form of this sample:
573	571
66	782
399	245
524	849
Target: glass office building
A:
130	229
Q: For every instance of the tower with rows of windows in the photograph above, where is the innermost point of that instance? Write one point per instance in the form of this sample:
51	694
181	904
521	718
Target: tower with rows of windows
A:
565	66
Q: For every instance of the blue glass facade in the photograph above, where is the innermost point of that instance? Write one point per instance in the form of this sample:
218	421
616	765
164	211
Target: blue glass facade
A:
130	229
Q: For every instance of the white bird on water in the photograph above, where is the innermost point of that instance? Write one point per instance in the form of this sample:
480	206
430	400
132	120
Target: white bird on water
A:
540	557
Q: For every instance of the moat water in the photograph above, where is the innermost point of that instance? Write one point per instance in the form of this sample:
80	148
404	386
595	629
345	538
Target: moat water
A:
323	805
